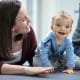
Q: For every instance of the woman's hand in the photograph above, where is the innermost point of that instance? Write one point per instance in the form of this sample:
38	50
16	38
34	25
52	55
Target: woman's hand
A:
38	70
52	69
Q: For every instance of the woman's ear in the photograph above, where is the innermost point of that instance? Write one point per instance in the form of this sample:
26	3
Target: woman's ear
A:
14	28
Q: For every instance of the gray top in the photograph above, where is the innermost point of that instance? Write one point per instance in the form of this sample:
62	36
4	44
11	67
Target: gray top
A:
76	35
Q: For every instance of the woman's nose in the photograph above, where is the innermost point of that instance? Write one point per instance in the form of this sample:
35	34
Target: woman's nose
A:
28	20
28	24
28	28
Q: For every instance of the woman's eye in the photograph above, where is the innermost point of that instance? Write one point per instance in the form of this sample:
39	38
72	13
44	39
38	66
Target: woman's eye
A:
23	19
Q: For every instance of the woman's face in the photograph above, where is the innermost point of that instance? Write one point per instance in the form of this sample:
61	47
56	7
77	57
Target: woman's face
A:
22	23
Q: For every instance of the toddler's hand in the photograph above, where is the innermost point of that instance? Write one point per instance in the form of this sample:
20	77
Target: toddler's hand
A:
69	71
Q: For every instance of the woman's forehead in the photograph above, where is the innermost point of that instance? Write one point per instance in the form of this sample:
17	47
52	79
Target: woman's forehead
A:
22	12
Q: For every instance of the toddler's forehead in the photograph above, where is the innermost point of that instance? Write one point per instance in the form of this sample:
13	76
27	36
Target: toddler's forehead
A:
62	19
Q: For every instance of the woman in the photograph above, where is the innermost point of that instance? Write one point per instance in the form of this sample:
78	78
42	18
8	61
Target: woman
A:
17	40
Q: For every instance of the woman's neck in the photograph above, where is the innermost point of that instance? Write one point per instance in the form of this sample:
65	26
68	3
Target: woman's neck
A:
16	45
17	40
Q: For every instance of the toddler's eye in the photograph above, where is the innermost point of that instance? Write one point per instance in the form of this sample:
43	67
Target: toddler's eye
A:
67	26
58	25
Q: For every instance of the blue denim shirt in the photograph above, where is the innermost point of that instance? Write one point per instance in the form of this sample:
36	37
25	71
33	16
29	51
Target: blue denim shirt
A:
48	49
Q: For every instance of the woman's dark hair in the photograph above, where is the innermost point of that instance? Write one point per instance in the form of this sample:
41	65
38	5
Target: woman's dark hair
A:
8	12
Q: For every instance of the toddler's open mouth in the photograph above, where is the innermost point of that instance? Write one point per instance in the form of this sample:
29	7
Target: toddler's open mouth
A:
62	33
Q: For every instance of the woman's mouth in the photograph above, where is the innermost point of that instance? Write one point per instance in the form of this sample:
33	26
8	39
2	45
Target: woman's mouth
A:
18	37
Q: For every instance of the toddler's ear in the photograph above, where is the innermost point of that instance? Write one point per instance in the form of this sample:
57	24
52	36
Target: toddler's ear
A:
51	27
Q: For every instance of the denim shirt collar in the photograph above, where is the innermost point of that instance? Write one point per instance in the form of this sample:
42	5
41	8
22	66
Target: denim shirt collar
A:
55	47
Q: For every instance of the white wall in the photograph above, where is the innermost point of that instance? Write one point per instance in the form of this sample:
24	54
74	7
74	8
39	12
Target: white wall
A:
47	8
41	12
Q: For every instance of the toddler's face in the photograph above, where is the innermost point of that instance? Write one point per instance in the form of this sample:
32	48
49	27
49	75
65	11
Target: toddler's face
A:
61	27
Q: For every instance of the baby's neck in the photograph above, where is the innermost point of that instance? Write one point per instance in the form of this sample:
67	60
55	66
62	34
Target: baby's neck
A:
58	41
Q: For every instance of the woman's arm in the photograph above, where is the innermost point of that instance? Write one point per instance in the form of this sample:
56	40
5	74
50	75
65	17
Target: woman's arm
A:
16	69
12	69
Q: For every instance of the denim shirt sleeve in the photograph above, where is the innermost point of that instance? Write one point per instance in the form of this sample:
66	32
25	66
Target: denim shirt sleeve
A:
69	54
43	50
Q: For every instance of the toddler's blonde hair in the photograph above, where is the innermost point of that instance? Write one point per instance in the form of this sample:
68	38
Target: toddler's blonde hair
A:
62	14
